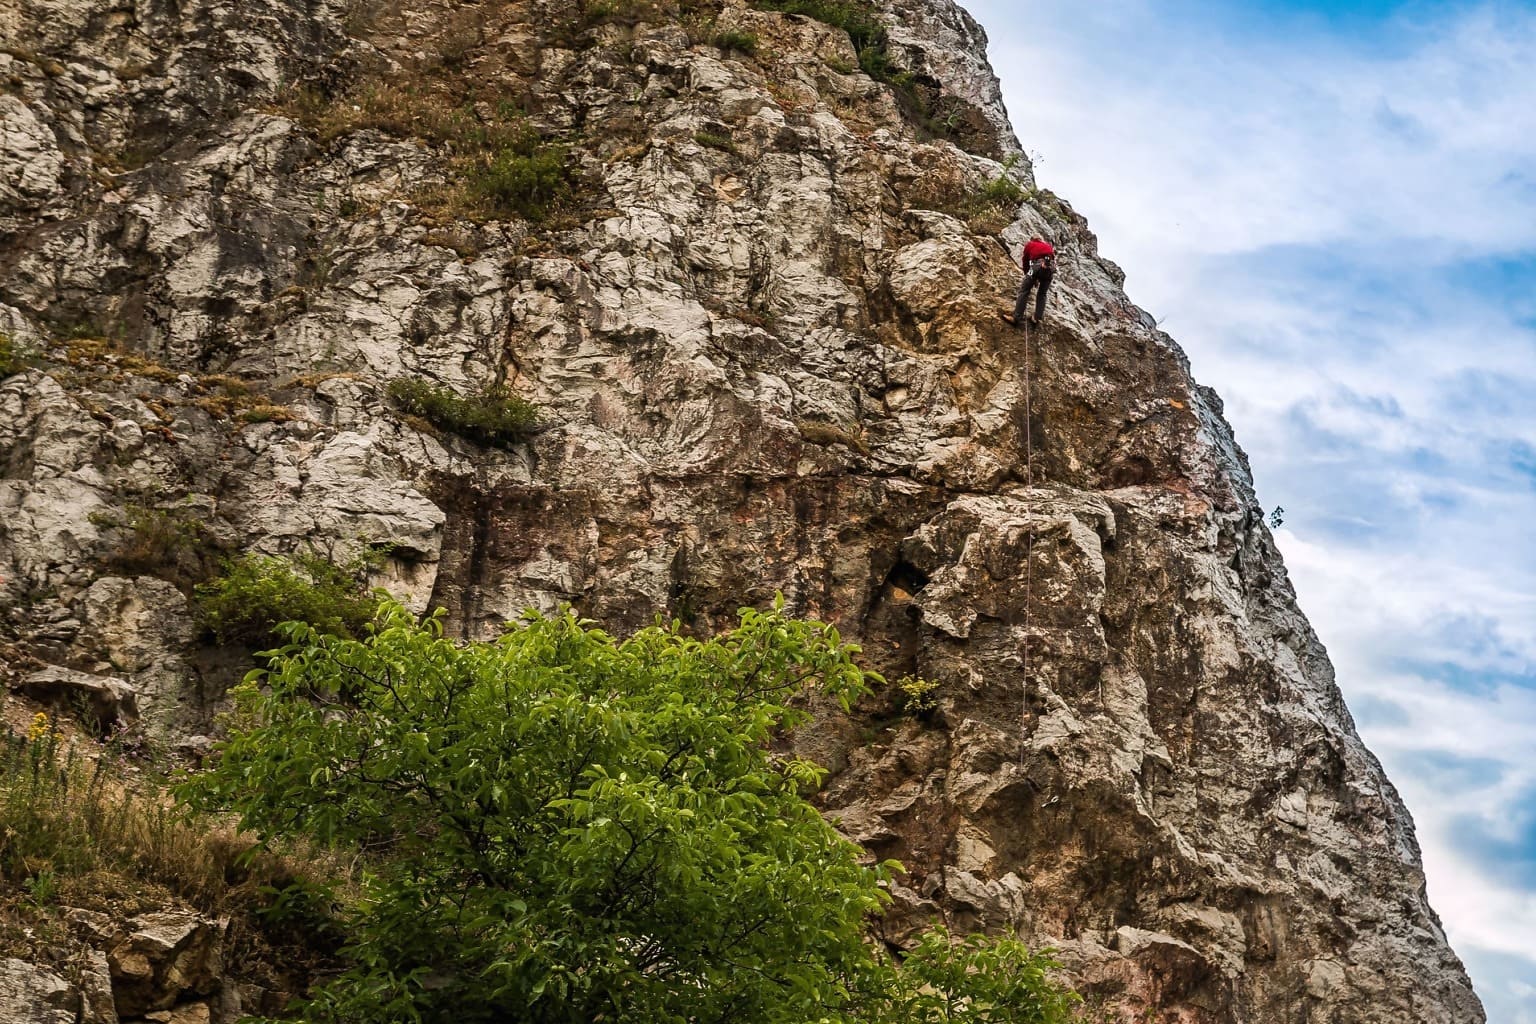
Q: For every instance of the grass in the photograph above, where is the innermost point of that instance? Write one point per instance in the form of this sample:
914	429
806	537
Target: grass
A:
493	416
856	17
266	412
861	20
589	14
1002	190
227	397
76	832
92	349
919	102
736	40
987	208
498	165
465	245
992	207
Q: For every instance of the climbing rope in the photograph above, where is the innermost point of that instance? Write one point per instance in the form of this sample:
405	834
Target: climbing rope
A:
1029	551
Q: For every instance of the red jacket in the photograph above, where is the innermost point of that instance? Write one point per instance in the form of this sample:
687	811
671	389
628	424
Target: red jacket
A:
1037	250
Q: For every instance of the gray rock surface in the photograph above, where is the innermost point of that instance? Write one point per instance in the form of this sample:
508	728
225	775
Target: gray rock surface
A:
32	995
768	366
105	699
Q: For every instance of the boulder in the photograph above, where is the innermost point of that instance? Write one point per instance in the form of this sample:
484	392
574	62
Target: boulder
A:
163	958
105	700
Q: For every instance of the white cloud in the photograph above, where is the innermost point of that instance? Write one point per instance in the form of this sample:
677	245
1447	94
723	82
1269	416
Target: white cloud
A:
1217	141
1307	211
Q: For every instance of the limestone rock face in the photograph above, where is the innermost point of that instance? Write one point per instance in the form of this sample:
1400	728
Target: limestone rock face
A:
31	995
762	335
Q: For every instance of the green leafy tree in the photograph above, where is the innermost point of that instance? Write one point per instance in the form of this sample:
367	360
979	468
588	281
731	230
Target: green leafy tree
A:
560	827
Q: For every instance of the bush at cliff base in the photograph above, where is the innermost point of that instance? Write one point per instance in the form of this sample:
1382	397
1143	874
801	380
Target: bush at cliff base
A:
558	826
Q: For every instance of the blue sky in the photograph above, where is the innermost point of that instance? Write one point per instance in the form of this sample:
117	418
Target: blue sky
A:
1333	207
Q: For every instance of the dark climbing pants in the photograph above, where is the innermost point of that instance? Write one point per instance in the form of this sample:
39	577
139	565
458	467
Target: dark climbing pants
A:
1039	274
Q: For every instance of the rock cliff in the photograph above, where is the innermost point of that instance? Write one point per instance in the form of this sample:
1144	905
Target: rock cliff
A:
759	322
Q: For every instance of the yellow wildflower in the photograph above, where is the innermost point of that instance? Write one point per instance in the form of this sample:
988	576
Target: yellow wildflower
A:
39	727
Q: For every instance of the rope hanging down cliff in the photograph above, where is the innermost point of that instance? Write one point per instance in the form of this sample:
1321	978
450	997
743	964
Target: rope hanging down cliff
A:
1029	550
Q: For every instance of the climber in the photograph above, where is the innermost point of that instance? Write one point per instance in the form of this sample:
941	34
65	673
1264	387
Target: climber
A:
1039	267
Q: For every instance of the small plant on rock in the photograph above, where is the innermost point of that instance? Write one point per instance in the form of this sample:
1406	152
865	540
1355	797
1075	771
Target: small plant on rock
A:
1002	190
493	416
496	164
526	178
12	360
267	413
715	140
987	208
171	543
918	697
826	434
735	39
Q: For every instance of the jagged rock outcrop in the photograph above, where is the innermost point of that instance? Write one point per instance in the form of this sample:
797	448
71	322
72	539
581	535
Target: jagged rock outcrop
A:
166	966
763	337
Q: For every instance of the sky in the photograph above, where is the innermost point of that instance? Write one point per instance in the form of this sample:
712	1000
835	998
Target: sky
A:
1332	208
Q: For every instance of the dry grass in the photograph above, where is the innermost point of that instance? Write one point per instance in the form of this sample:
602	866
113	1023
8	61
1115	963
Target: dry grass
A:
387	107
311	381
267	413
76	831
172	543
98	352
986	208
225	396
828	434
462	243
631	151
47	65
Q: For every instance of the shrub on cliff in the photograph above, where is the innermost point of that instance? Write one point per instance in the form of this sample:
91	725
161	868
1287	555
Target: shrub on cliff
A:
492	416
559	826
526	179
256	593
173	542
858	18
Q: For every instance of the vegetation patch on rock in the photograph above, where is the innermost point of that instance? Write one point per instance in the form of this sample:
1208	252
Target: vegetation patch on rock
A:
497	165
255	594
172	543
12	360
920	100
85	836
494	416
